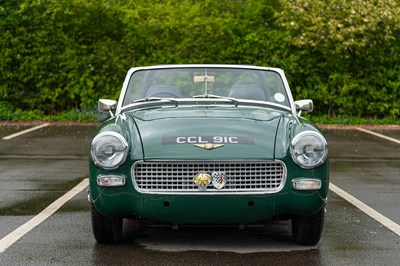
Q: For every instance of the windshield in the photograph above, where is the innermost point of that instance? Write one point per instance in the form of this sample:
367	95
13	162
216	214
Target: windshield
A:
173	83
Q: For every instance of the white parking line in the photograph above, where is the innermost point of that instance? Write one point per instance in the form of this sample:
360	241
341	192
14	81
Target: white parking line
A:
366	209
362	206
25	131
379	135
11	238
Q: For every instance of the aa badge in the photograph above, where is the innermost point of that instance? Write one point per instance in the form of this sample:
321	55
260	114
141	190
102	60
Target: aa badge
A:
202	180
218	179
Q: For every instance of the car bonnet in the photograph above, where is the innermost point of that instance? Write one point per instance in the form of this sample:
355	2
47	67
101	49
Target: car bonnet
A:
202	133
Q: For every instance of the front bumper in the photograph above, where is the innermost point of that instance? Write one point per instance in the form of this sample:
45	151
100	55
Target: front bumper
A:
209	208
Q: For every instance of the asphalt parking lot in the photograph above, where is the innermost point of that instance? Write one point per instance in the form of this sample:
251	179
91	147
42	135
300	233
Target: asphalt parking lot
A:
38	168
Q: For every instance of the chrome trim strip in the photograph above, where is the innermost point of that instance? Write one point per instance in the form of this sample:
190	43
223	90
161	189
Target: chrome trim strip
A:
205	101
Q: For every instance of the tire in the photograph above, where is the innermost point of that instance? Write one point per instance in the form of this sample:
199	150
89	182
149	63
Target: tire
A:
106	230
307	230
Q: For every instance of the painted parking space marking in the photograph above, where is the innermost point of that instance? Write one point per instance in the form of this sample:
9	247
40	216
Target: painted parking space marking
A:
366	209
379	135
14	236
362	206
25	131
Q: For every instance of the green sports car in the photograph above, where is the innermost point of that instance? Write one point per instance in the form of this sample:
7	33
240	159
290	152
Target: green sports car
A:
207	144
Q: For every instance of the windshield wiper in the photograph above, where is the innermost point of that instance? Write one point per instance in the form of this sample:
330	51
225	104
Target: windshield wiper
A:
154	99
217	97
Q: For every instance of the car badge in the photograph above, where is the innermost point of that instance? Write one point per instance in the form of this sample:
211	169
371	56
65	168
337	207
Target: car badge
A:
209	146
219	179
202	180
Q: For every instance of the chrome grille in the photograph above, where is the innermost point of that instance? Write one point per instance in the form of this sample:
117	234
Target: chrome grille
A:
176	177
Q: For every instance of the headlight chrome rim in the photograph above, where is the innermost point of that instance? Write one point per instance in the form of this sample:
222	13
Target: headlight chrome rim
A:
320	160
103	163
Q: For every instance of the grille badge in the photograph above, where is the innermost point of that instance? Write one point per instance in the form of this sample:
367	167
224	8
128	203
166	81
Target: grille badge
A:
219	179
208	146
202	180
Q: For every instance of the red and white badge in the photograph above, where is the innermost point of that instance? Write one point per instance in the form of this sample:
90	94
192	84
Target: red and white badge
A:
219	179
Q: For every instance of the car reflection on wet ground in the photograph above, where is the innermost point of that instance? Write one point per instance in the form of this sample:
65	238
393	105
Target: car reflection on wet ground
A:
38	167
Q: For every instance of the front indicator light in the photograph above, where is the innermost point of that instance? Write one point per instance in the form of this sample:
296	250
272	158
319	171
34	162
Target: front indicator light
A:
111	180
306	184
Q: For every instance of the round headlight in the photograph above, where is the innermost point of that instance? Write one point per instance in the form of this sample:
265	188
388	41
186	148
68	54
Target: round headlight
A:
109	150
309	149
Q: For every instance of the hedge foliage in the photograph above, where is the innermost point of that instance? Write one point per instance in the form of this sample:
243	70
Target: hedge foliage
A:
59	55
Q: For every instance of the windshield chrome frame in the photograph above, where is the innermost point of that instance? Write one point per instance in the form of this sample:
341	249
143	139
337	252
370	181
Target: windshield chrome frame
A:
281	73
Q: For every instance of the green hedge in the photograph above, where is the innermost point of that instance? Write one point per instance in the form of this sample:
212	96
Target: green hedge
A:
62	55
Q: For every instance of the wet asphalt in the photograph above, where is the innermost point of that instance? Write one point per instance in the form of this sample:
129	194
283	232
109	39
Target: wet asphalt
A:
39	167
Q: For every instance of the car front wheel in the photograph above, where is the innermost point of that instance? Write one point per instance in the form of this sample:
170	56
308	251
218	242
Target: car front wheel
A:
307	230
106	230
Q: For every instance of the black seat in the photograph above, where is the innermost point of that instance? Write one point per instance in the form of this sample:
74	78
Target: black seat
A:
248	92
162	91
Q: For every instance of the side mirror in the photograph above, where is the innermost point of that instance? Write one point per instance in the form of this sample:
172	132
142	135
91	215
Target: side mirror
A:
306	106
106	105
